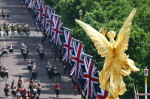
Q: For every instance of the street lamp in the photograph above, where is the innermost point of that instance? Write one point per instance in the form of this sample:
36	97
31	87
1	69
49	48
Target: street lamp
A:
80	13
146	75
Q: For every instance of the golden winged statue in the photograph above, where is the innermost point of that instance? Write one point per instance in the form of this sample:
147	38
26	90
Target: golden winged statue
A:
116	64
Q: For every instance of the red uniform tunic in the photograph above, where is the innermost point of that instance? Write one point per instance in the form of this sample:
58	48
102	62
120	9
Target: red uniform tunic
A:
25	91
7	86
14	87
20	80
19	90
31	82
75	88
35	69
32	97
79	85
57	86
29	96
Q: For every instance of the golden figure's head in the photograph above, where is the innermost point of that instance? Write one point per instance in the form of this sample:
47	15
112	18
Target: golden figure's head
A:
111	34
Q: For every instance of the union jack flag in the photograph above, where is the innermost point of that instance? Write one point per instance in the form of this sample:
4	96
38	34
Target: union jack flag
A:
27	2
39	10
57	30
49	20
32	4
101	93
44	14
67	46
91	77
77	60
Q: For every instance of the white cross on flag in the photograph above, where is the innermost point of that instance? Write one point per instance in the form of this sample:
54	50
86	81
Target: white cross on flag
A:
77	60
67	46
49	20
91	77
57	30
44	14
39	10
32	4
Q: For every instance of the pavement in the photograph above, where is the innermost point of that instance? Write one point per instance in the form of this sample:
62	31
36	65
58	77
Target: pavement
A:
17	66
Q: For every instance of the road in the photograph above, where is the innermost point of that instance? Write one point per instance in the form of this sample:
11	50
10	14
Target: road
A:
17	66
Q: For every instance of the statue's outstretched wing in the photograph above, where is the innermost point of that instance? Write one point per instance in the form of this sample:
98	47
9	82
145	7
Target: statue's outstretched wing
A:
123	37
102	45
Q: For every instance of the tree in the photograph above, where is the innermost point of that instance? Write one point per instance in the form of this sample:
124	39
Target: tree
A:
111	15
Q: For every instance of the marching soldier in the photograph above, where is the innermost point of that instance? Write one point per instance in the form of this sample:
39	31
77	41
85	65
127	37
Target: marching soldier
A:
6	89
19	82
57	89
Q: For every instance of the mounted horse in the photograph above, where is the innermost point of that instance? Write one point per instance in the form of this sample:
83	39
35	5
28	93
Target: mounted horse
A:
1	31
19	82
22	47
13	90
4	72
4	52
10	49
1	52
39	89
49	71
19	30
8	30
53	73
6	89
4	26
26	30
30	65
14	29
37	27
34	71
40	51
24	50
56	74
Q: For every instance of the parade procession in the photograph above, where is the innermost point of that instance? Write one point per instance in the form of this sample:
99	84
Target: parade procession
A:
74	49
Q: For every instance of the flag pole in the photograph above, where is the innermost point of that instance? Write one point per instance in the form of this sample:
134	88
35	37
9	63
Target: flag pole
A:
77	40
87	55
135	92
56	15
67	29
51	8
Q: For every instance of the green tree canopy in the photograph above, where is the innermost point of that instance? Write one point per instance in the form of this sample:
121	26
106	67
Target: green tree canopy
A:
111	14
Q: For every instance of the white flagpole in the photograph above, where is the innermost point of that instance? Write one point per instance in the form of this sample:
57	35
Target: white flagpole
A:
77	40
56	15
67	29
87	55
135	92
51	8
